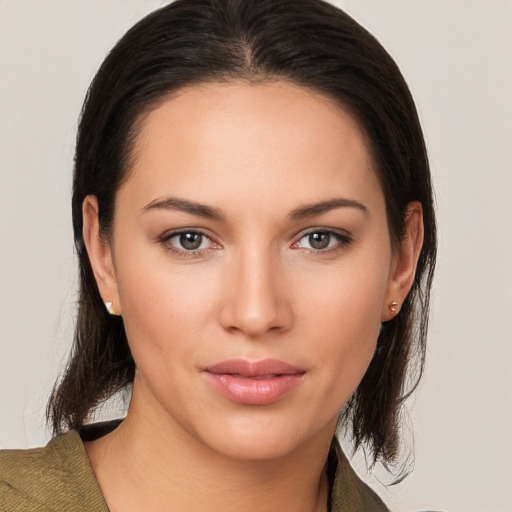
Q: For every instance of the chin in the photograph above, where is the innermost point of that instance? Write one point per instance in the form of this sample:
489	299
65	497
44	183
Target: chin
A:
255	447
264	437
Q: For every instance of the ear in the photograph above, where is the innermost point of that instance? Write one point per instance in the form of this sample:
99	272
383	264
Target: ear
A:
100	255
404	264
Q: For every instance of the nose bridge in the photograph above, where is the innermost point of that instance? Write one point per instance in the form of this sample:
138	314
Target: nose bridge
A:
255	301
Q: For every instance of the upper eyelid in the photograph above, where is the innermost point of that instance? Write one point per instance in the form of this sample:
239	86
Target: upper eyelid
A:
168	235
179	231
165	241
335	231
344	238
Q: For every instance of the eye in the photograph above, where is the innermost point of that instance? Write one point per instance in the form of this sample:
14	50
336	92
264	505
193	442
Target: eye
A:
322	240
187	242
319	240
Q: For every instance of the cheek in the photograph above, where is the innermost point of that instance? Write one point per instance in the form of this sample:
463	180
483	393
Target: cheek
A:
345	313
349	338
164	305
167	316
346	297
343	358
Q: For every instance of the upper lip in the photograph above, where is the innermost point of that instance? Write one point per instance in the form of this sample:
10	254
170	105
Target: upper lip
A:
254	368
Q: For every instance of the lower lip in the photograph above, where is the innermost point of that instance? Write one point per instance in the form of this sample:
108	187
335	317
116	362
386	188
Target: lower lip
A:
252	391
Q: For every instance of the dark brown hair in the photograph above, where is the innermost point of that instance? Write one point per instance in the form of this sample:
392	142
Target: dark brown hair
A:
306	42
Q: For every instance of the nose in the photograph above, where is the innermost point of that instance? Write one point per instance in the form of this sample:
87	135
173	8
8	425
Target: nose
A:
255	300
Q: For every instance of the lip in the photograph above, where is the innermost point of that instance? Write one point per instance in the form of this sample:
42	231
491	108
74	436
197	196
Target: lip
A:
254	382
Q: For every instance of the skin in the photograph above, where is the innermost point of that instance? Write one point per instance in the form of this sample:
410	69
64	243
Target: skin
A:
256	289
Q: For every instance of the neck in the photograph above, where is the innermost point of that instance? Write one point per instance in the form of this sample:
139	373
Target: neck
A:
147	464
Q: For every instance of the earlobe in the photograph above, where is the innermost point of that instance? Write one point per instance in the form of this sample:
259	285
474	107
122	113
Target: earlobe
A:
405	262
100	255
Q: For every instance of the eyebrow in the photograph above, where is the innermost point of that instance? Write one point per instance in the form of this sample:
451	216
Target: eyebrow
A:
201	210
182	205
311	210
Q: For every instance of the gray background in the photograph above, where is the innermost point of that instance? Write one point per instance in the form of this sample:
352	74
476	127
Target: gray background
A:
456	57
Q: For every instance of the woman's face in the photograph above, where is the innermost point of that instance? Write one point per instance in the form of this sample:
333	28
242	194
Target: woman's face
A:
251	261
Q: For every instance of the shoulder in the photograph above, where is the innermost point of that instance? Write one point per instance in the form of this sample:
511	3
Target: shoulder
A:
55	477
348	492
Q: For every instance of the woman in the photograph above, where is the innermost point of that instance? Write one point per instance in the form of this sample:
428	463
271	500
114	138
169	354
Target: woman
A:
253	216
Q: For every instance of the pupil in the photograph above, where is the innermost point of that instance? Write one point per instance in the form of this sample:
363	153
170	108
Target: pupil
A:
319	240
190	241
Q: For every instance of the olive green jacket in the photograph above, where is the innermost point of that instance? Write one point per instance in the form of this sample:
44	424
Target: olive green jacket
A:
59	478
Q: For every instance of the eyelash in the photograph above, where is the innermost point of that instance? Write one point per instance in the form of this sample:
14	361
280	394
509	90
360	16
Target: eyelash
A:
344	239
165	239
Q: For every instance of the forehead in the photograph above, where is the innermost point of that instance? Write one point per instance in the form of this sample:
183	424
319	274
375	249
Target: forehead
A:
264	139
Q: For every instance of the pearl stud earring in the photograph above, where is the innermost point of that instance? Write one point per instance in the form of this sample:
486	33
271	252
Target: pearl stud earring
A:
109	307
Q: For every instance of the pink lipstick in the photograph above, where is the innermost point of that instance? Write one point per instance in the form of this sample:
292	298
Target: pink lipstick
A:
253	383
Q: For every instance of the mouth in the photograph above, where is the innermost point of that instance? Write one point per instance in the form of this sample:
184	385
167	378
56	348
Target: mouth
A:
254	383
256	377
